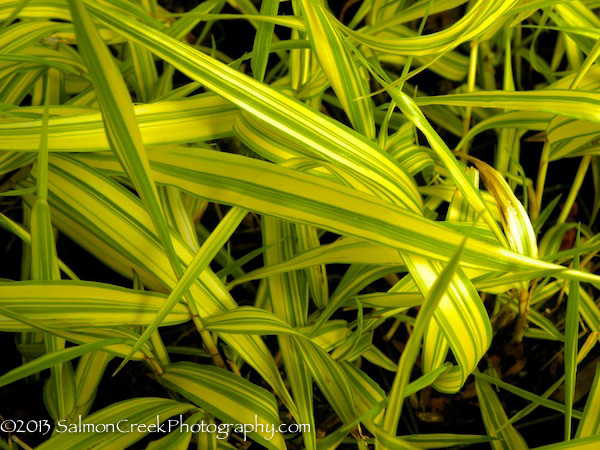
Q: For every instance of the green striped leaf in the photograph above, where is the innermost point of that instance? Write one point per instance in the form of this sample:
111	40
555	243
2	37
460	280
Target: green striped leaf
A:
123	334
288	293
589	424
346	211
516	119
88	374
577	104
111	223
457	173
262	41
568	137
52	359
330	378
433	297
540	400
325	137
229	397
346	250
80	304
119	120
495	419
482	16
201	118
517	225
435	440
198	265
336	60
581	443
571	346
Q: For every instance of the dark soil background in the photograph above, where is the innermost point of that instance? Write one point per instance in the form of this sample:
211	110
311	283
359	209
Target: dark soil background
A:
534	365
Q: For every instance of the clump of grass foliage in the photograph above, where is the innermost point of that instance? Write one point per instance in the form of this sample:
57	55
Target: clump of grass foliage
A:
356	225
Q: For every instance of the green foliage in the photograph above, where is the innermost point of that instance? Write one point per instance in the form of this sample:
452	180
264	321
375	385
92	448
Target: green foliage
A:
365	174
